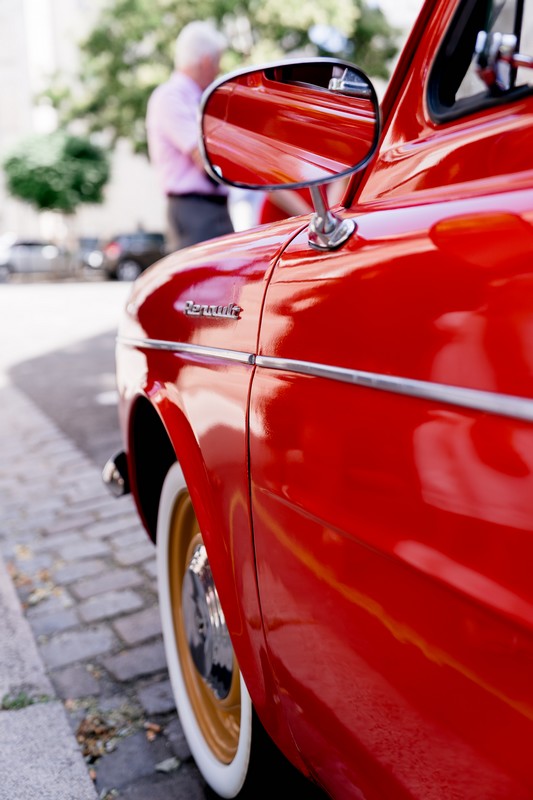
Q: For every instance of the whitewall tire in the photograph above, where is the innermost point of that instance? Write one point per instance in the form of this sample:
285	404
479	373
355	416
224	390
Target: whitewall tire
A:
212	701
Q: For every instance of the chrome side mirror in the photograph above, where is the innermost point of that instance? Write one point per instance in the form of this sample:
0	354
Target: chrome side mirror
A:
289	125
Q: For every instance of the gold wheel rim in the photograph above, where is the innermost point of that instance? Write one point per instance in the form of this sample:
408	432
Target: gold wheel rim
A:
218	719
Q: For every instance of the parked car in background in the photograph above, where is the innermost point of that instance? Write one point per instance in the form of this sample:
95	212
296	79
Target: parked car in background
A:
32	256
328	426
125	256
89	254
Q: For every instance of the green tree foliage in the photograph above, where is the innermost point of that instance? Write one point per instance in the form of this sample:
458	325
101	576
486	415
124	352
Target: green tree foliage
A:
130	50
57	172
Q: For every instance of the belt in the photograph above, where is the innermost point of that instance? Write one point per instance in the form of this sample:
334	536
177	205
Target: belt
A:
219	199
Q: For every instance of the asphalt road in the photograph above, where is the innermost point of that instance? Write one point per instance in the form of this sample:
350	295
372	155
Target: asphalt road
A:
58	346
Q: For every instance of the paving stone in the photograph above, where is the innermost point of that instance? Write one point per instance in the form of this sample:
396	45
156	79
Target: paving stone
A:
25	589
66	648
117	506
56	541
122	703
11	515
35	488
110	604
71	463
48	624
21	549
150	567
139	661
66	573
110	580
70	522
157	698
92	498
114	526
74	682
29	524
135	757
176	738
131	538
137	628
45	503
57	601
135	555
32	474
84	549
31	564
57	446
9	512
184	783
8	485
41	506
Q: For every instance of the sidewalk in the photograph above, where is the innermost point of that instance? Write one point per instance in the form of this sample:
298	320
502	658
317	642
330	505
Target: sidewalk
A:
39	757
86	709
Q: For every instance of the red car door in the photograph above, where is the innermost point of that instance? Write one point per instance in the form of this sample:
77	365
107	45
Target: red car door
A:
391	456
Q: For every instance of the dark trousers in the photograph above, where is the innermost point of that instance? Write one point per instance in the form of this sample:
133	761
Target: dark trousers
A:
194	218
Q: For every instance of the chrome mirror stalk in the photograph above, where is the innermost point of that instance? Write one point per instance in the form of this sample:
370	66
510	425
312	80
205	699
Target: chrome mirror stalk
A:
327	231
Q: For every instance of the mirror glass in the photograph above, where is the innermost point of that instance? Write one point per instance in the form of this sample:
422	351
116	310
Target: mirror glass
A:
289	124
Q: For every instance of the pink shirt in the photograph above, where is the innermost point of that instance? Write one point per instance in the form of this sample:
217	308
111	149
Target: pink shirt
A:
173	132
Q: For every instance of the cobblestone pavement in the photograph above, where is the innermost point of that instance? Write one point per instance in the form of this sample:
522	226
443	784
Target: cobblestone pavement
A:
84	571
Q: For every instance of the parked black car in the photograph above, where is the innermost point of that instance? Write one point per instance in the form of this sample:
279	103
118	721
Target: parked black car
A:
125	256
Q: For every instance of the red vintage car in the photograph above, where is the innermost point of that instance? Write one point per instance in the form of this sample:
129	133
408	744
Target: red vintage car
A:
328	425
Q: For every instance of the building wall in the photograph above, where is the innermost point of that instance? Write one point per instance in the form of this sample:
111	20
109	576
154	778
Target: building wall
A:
15	105
37	38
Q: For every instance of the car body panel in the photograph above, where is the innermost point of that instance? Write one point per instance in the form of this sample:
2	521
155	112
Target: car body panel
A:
396	553
202	397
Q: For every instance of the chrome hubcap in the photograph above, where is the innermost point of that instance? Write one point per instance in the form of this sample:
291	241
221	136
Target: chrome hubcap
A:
205	626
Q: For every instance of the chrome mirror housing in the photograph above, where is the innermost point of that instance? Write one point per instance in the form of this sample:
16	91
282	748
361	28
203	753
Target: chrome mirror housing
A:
289	125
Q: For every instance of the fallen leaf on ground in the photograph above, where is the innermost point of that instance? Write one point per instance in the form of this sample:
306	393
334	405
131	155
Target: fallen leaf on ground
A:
152	726
93	733
168	765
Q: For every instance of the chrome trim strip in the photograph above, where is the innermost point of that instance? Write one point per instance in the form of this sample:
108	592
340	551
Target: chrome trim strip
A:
193	349
490	402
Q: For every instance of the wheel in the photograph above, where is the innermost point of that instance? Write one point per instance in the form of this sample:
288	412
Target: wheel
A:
232	750
128	270
212	701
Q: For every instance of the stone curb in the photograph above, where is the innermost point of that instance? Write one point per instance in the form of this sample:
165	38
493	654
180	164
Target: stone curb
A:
39	757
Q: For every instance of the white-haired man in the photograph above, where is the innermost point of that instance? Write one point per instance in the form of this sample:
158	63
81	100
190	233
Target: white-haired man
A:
197	206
